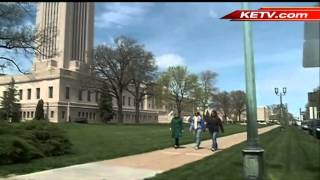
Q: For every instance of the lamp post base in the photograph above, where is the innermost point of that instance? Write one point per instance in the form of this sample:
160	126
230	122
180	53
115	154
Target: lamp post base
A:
253	163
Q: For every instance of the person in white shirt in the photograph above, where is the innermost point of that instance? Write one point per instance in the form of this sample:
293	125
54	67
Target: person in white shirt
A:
197	126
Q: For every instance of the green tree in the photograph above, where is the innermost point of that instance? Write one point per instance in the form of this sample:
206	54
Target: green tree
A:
105	104
39	115
113	65
222	102
205	90
176	85
143	73
276	113
238	103
10	106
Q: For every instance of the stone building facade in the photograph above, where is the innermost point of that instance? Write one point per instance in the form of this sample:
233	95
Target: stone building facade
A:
55	77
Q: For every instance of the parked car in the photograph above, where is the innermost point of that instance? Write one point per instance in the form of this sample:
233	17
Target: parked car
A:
298	123
305	125
315	128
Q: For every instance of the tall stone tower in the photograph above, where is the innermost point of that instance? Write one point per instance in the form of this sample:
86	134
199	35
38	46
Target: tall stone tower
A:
68	28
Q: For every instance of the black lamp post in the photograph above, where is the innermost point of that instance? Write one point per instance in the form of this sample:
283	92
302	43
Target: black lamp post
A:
283	93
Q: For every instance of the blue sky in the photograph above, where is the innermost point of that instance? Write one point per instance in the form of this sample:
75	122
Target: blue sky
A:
192	34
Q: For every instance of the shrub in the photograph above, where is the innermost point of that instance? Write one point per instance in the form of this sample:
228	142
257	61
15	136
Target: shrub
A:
25	141
14	149
39	115
50	139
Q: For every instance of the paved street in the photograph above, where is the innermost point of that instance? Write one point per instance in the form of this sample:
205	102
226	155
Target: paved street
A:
137	166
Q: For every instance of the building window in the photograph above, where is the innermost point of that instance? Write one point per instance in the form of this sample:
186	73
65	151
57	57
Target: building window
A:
32	114
63	113
129	101
89	96
20	94
94	116
79	114
87	114
24	114
82	114
28	114
80	95
50	91
90	115
67	93
29	93
123	100
38	93
149	105
97	96
52	114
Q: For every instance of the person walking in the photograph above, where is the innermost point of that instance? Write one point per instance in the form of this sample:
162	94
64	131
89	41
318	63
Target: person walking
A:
176	129
214	125
197	126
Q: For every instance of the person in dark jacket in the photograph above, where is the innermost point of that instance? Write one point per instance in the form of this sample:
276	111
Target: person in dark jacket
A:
176	129
214	125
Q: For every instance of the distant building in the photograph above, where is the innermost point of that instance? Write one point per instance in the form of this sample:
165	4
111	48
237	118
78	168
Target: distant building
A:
313	107
263	115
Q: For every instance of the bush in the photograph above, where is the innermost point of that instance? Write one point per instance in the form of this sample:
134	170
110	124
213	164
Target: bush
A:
25	141
50	139
81	120
39	114
14	149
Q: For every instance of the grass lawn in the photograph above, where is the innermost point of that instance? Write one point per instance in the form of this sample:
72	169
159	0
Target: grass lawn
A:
290	154
93	142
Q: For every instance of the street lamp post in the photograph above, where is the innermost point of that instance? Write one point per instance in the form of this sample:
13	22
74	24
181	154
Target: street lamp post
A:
284	91
252	153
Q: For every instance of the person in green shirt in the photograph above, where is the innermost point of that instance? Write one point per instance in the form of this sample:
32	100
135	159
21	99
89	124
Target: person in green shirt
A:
176	129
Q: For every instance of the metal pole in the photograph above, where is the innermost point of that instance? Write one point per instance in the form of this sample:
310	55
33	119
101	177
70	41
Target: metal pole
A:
300	114
281	111
252	154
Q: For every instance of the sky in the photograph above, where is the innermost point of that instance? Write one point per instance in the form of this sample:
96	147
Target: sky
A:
193	35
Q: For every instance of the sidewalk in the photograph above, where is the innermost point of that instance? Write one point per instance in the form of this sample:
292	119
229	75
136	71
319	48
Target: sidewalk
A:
138	166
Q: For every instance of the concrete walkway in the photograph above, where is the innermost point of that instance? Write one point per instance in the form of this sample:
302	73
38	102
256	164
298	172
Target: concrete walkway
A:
138	166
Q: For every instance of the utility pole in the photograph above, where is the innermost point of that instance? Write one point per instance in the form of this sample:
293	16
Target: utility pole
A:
252	153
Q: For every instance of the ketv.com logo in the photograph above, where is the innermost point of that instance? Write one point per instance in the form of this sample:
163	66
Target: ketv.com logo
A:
276	14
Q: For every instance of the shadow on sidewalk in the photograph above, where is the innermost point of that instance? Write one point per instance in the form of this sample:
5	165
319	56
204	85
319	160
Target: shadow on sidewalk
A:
180	147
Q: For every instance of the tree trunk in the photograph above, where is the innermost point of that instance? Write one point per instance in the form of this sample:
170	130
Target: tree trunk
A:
137	113
179	109
137	103
204	111
120	112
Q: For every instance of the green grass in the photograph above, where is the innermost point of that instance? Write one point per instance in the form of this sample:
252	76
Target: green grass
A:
93	142
290	154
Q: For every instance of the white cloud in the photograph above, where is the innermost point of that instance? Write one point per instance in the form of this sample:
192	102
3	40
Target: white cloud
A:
120	14
213	14
166	60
